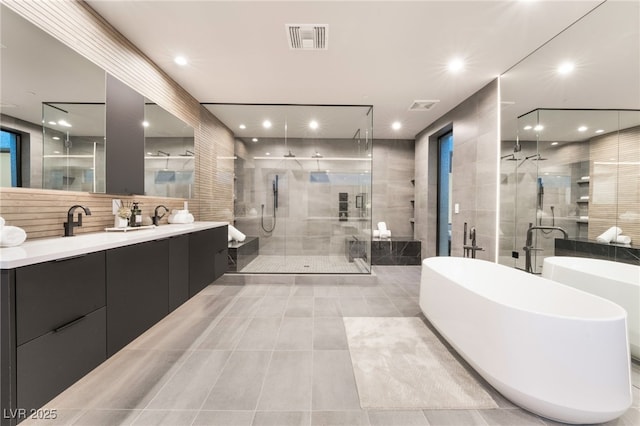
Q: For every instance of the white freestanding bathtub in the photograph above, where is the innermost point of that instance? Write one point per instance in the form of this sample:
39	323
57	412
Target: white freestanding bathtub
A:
616	281
554	350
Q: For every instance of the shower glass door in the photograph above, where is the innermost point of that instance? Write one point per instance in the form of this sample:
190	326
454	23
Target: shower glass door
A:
303	186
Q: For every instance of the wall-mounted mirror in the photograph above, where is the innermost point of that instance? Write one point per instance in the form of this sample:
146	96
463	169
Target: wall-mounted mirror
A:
73	154
169	161
38	75
556	104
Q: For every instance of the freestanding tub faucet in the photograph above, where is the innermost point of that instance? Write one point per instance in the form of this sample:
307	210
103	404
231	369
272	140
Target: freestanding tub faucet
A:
70	224
528	248
473	248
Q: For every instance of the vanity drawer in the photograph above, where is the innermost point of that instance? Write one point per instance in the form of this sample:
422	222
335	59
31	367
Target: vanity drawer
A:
51	294
51	363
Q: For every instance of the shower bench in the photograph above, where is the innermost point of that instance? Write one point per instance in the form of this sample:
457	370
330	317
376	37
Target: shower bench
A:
242	253
386	251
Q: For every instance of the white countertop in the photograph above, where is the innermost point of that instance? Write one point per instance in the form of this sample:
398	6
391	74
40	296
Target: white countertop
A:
46	249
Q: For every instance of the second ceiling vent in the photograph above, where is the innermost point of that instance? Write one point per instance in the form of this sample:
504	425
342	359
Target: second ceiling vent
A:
307	36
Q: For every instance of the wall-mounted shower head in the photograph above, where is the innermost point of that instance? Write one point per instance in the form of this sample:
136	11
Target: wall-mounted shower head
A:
289	155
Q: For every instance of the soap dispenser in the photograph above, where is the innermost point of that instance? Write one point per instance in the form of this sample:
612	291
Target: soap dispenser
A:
136	215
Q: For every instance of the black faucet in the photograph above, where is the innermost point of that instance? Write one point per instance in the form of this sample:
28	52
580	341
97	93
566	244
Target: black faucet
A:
157	218
473	248
70	224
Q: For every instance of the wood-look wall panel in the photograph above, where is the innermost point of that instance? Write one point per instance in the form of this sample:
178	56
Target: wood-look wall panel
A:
41	213
78	26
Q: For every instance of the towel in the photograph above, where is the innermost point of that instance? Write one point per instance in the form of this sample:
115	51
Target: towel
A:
623	239
383	231
609	235
11	236
1	222
376	233
235	234
180	216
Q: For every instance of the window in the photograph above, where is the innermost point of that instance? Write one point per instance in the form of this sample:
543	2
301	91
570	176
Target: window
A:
9	159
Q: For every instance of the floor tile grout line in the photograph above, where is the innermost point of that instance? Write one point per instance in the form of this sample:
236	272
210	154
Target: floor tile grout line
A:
231	352
194	346
273	349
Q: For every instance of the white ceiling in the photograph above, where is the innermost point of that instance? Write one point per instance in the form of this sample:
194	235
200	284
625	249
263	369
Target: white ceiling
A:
385	53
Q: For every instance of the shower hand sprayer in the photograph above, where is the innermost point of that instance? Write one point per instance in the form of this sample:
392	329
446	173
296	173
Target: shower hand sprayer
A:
274	187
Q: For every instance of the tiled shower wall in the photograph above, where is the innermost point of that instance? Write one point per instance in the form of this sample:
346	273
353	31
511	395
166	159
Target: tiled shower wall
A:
306	221
71	21
393	190
475	173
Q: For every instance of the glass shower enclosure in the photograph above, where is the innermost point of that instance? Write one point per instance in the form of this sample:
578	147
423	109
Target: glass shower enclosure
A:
302	186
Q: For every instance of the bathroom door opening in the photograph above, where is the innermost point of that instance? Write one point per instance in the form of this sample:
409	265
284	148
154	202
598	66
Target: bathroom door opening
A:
445	160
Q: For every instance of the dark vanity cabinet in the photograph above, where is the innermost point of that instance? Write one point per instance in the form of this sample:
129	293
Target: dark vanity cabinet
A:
60	325
60	319
207	257
178	271
137	290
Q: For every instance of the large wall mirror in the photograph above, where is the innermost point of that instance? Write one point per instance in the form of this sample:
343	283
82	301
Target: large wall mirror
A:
56	124
53	105
169	161
571	141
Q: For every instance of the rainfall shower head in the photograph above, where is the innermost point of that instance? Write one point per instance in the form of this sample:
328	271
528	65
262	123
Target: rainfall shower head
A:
510	157
535	157
289	155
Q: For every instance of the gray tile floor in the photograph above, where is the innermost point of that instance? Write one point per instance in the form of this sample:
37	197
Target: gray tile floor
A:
265	353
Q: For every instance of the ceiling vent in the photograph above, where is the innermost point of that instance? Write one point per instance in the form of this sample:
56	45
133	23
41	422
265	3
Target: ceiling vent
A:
423	105
307	36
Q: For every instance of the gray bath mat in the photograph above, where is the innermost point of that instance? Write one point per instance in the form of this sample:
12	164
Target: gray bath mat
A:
399	363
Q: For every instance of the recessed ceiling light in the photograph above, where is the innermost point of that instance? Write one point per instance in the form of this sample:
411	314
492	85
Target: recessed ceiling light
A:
528	127
538	127
456	65
180	60
396	125
266	124
64	123
566	68
313	124
56	138
582	128
145	124
554	143
242	126
53	123
599	131
267	153
149	153
254	140
56	152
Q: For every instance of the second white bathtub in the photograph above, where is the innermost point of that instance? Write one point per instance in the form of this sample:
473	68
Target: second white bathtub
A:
615	281
554	350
